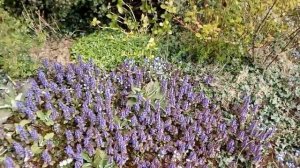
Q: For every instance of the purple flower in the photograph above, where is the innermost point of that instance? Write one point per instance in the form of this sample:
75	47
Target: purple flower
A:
69	151
192	157
134	121
80	122
208	79
78	134
69	136
34	134
205	102
230	146
23	133
20	151
78	92
9	163
42	78
99	142
30	114
65	109
241	135
46	157
233	126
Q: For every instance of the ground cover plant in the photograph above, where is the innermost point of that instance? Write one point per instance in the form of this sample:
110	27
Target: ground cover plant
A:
109	47
130	117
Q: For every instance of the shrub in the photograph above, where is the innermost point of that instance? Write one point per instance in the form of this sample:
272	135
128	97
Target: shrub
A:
140	116
15	43
69	14
110	47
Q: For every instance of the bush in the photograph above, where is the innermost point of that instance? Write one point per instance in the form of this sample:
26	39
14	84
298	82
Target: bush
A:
15	43
69	14
108	48
148	115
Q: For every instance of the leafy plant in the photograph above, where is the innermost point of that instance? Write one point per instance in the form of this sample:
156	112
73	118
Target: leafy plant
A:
15	44
108	48
182	127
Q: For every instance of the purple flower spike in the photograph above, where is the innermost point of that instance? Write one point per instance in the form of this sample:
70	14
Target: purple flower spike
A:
69	136
46	157
34	135
20	151
23	133
230	146
9	162
69	151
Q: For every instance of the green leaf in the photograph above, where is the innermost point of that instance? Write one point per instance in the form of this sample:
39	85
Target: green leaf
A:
130	102
41	115
24	122
19	97
49	122
119	6
36	149
98	158
87	165
86	157
4	115
49	136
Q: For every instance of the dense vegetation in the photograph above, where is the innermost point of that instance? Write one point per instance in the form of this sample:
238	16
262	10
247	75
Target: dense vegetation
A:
158	83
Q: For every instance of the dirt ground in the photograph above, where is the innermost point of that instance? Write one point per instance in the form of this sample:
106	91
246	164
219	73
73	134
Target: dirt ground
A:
56	50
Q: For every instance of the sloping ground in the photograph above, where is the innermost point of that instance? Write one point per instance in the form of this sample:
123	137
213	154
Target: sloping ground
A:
55	50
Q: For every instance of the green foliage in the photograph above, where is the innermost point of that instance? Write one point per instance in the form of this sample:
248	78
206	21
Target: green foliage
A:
216	30
68	14
276	90
99	160
9	96
108	48
15	43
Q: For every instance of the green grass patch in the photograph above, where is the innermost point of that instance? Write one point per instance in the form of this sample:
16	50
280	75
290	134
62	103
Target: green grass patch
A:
108	48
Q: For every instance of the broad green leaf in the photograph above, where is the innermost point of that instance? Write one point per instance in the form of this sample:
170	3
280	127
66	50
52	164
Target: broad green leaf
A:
130	102
49	136
14	106
4	115
86	157
41	115
24	122
87	165
98	158
19	97
36	149
49	122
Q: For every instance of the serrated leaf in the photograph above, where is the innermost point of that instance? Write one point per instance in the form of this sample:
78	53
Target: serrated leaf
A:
49	136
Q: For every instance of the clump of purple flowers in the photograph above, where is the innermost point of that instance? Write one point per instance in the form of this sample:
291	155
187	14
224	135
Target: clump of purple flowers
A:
110	111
